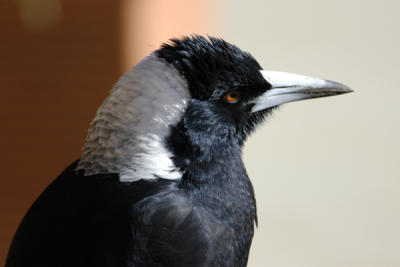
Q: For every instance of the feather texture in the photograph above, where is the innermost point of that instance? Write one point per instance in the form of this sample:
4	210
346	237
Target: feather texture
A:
127	135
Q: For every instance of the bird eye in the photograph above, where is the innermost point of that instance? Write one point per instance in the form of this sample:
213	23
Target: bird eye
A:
232	97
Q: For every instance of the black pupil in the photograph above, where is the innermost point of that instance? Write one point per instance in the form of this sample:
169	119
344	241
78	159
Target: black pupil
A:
234	95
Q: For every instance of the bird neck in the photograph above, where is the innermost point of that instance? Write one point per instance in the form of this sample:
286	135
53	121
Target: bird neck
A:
218	182
128	133
219	170
204	150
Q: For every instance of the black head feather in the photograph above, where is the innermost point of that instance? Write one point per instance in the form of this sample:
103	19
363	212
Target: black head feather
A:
212	65
213	126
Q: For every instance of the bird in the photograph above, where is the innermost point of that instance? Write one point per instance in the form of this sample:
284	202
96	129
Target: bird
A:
161	180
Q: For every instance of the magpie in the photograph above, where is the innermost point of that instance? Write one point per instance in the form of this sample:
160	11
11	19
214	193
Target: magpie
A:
161	181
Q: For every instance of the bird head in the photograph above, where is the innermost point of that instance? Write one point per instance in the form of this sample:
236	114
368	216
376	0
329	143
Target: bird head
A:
194	99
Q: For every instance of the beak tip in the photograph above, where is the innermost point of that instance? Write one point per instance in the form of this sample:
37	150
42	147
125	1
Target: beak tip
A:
339	88
347	90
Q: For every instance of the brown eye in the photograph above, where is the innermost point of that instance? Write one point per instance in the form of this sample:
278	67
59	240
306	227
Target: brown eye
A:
232	97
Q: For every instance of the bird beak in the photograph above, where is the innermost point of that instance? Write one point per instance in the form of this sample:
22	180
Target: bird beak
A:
288	87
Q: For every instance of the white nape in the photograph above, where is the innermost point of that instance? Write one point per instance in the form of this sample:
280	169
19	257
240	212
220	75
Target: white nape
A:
127	135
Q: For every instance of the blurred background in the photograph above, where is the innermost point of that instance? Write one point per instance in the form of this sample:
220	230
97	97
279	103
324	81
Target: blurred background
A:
326	171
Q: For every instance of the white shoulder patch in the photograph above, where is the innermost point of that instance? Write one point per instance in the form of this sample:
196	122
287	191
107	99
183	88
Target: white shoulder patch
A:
127	136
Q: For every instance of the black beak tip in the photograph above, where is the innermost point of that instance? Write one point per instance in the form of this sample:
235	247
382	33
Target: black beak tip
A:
339	88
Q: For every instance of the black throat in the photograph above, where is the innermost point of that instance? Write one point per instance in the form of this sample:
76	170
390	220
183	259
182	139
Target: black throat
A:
204	147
